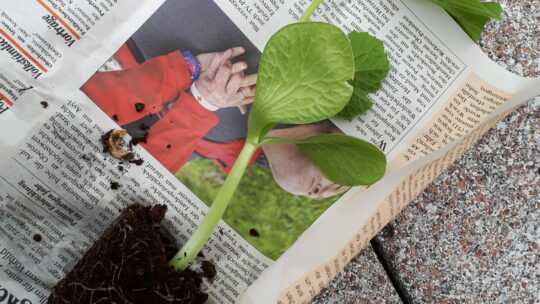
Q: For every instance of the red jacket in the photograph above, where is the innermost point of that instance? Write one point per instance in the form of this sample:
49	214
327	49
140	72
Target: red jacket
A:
155	83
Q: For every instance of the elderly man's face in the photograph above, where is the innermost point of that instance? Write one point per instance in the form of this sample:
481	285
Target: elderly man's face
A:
293	171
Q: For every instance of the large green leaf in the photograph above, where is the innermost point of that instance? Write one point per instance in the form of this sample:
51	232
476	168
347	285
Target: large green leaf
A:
471	15
371	67
303	76
343	159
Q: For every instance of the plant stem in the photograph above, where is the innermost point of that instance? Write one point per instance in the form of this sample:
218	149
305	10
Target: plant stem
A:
192	247
310	10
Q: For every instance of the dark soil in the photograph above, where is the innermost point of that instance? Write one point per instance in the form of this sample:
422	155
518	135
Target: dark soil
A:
37	237
129	264
139	106
253	232
209	270
44	104
141	138
105	140
137	161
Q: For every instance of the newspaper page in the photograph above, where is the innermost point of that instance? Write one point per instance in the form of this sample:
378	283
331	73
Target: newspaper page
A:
55	179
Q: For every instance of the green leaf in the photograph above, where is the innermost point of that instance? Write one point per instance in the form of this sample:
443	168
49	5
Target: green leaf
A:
358	104
471	15
371	67
303	77
343	159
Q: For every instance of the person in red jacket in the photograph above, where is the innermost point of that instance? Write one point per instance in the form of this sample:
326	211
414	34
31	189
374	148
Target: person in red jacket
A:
177	95
181	91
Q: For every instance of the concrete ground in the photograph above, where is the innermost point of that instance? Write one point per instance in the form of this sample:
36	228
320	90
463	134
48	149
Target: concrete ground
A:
473	235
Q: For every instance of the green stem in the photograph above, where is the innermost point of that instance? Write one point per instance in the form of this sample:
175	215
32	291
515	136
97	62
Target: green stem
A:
310	10
192	247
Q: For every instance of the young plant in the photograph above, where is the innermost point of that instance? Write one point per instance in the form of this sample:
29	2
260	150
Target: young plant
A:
309	71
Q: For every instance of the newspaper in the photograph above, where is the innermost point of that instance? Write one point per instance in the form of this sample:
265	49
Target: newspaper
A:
441	95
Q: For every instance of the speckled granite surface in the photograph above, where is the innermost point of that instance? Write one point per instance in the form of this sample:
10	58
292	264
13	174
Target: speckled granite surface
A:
473	236
362	281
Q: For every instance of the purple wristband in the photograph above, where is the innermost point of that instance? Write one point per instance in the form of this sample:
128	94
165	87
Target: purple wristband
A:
193	65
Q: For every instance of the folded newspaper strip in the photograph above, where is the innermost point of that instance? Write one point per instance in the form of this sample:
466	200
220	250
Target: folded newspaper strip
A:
56	199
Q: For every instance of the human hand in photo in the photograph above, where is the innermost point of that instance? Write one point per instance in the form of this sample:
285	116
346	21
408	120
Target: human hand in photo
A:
223	83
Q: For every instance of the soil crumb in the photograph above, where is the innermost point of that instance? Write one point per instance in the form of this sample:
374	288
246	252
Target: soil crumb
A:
137	162
254	232
209	270
139	106
136	140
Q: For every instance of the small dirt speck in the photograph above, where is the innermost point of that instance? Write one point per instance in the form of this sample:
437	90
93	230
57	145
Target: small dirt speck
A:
137	162
254	232
136	140
44	104
209	270
115	117
37	237
115	185
139	106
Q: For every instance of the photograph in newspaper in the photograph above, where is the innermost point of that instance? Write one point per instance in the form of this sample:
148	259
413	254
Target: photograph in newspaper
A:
56	183
182	87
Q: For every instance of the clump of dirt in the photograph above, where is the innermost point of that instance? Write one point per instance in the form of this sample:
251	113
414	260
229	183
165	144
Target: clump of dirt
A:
138	161
253	232
209	270
129	264
139	106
